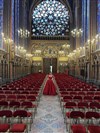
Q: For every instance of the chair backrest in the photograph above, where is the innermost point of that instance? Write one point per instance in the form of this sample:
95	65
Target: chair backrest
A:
95	105
83	104
68	97
91	114
7	113
3	103
77	114
27	104
20	113
14	103
70	104
77	97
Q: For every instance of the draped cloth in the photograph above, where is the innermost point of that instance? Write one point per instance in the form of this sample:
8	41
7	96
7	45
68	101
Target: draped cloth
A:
50	88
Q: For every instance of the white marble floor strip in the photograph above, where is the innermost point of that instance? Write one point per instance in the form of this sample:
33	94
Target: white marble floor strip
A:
49	118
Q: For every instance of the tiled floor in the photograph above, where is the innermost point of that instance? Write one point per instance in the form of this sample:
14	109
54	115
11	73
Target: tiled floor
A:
49	118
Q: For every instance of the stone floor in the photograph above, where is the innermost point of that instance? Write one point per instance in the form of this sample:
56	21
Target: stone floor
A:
49	118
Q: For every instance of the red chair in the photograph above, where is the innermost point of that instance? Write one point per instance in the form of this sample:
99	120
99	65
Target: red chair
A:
21	97
81	93
97	93
97	98
4	127
69	106
28	105
77	98
68	97
94	129
20	128
63	93
78	128
32	98
11	97
95	106
3	104
90	94
83	106
73	93
74	117
7	114
2	97
14	105
22	116
8	92
92	117
24	92
88	98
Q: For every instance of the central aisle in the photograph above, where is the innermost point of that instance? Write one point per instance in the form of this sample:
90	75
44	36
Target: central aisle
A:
49	118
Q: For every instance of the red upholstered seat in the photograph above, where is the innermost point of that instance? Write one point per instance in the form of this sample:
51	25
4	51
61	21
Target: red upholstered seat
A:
18	127
94	129
78	128
4	127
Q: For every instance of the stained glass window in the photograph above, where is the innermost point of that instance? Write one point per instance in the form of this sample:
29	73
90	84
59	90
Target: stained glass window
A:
85	20
1	22
51	18
88	20
98	23
98	17
12	19
16	20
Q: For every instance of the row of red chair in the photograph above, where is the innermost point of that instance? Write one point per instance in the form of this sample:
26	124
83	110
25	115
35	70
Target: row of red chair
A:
84	106
79	128
24	97
20	128
80	103
17	116
82	93
18	103
78	117
80	98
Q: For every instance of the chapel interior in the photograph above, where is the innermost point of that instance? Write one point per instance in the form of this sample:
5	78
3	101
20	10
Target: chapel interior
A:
42	37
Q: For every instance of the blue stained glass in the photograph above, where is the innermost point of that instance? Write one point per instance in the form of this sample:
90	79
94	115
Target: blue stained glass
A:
47	17
98	22
85	20
1	22
16	20
98	16
13	20
88	20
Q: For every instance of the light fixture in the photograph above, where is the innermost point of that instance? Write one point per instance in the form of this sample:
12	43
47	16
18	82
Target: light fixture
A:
76	32
23	33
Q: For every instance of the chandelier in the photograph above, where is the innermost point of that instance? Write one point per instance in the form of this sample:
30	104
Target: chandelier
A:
23	33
